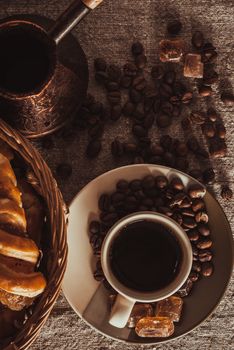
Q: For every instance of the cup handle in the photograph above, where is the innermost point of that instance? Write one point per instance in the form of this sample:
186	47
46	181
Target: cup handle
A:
121	311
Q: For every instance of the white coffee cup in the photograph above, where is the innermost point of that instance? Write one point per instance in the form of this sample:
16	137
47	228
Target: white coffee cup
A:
128	297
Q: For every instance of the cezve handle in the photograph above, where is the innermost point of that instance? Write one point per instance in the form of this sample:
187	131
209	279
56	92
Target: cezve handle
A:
121	311
71	17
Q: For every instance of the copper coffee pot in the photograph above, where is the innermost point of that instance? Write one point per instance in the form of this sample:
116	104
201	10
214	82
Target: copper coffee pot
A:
38	93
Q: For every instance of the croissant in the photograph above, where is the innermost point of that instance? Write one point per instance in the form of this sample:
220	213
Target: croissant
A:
19	283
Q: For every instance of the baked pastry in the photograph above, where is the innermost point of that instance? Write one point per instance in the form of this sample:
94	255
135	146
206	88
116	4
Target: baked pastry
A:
19	254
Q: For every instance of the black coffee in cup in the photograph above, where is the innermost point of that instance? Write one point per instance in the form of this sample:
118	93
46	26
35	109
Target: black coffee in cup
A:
145	256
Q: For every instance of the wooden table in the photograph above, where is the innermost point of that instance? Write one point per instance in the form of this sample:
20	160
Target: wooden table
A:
109	32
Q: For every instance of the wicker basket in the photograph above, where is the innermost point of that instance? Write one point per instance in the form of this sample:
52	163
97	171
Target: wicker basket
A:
41	177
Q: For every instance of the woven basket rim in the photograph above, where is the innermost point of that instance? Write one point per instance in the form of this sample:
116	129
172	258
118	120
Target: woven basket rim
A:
43	180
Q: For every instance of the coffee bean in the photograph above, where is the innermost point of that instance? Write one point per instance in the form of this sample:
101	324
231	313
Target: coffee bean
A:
187	97
130	203
159	202
148	104
174	27
198	204
139	83
205	91
135	96
169	159
156	105
112	86
101	77
157	72
186	203
167	108
166	142
130	147
166	90
96	242
144	145
148	182
197	174
156	150
99	276
177	199
193	235
208	175
202	153
212	114
197	118
204	243
130	69
194	276
139	131
207	269
195	250
181	164
186	124
139	195
116	112
148	202
188	212
117	197
176	112
181	149
138	160
177	184
205	255
104	202
149	121
203	229
227	99
64	170
137	48
209	56
135	185
226	193
100	64
169	77
208	129
221	131
189	222
141	61
96	131
93	148
193	144
126	82
196	266
114	97
114	72
122	186
178	218
161	182
185	289
117	148
109	218
163	121
128	109
175	100
166	211
95	227
196	191
198	40
143	208
210	77
217	148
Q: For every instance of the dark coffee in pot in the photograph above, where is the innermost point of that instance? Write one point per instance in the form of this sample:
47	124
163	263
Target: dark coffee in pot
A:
25	60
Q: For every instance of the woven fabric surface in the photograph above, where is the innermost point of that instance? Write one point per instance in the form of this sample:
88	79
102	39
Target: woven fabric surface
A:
108	32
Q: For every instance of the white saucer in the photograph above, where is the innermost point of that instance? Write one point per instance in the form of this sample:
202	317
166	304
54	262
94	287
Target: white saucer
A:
89	298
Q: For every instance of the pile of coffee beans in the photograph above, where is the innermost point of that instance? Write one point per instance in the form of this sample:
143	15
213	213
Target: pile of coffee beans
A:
152	103
171	198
